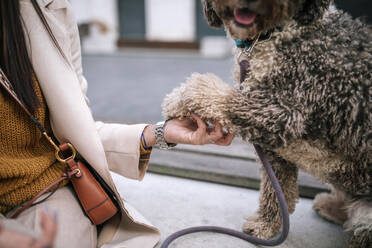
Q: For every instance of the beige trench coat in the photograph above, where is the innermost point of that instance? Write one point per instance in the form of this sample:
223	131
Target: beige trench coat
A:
106	147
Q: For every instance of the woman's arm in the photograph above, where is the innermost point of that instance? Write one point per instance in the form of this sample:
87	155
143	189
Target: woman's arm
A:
122	142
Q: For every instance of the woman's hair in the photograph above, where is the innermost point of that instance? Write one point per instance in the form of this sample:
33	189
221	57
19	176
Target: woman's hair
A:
14	59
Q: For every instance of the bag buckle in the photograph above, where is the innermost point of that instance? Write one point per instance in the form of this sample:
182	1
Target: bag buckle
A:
60	158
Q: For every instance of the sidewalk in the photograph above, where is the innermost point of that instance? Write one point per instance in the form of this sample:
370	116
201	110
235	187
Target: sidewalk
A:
173	203
234	165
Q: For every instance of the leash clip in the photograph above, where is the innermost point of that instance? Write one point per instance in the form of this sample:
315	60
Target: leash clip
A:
246	46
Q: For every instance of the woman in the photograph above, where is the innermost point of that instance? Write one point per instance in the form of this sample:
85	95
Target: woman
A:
51	84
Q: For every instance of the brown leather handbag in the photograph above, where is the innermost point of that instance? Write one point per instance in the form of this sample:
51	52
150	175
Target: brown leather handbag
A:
95	196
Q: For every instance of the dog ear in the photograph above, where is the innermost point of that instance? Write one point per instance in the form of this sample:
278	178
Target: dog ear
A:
210	15
311	10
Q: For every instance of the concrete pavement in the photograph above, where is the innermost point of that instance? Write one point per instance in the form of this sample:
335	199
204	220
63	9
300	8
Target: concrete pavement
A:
131	87
172	203
234	165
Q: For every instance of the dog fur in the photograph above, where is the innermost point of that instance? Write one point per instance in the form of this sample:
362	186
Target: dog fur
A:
306	100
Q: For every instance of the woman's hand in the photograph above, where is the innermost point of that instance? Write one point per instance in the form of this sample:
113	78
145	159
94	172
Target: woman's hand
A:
13	239
196	132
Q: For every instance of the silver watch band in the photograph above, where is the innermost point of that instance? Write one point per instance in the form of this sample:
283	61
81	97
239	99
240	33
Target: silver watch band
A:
159	136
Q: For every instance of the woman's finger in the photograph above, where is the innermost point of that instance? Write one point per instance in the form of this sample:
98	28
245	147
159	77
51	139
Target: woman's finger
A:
217	133
201	124
200	134
226	140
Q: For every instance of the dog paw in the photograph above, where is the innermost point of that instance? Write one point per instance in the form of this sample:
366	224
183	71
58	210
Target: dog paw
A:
329	208
173	104
207	96
264	230
203	94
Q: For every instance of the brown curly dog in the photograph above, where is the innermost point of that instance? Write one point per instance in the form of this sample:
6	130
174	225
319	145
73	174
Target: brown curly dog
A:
305	99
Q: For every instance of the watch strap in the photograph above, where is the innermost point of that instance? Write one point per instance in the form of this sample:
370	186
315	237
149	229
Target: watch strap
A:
159	136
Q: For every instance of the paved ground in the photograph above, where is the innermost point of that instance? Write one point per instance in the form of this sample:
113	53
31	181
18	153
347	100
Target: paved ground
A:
235	165
173	203
130	87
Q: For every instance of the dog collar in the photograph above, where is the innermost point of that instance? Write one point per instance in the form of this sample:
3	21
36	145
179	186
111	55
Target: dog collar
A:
248	44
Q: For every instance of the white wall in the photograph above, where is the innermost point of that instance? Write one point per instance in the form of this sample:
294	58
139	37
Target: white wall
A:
104	11
170	20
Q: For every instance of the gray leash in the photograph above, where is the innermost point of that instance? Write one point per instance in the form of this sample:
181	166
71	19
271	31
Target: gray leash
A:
247	45
252	239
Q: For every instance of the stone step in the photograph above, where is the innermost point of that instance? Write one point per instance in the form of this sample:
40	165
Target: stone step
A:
234	165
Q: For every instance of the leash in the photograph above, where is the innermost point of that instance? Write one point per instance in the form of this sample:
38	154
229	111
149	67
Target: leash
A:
247	46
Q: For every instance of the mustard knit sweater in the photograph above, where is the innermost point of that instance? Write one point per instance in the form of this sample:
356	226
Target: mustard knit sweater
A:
27	160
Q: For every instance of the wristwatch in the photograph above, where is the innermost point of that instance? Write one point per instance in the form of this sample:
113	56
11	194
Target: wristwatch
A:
159	136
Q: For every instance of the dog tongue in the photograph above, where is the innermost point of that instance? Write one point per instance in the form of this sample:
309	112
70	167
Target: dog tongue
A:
244	16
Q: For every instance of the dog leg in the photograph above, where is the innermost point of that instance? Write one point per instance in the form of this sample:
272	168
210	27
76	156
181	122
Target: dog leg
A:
267	220
264	119
331	206
260	115
359	223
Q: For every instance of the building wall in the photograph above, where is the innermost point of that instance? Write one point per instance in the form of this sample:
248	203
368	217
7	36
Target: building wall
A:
102	18
132	19
170	20
161	20
182	20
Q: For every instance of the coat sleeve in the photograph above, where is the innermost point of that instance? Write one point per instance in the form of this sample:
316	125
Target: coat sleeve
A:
120	142
122	148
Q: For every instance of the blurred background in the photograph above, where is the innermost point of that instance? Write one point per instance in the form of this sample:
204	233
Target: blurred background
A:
137	51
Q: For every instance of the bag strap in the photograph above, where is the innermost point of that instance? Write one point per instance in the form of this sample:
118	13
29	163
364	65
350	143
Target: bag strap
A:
47	27
63	148
33	202
5	83
9	88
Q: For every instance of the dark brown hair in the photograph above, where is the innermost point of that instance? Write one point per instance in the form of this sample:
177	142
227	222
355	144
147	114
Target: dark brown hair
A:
14	58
